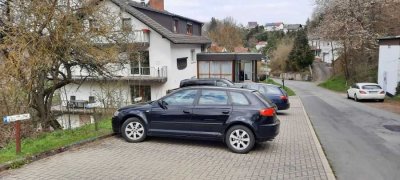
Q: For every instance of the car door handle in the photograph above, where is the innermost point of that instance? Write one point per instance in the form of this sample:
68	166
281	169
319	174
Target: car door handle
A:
225	112
186	111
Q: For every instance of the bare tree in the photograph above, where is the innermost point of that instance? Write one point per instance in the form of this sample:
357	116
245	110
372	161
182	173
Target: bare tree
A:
45	42
227	34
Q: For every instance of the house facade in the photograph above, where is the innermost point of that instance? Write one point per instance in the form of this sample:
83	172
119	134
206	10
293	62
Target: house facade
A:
325	51
277	26
389	64
168	45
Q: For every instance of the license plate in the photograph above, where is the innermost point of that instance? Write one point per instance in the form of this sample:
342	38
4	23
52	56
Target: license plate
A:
373	92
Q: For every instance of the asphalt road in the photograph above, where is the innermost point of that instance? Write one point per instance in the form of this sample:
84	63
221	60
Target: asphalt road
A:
353	136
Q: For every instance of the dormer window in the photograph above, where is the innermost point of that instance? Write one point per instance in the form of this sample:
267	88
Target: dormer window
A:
189	28
176	25
126	24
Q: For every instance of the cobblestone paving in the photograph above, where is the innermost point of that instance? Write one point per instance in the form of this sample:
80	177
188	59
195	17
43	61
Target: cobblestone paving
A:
292	155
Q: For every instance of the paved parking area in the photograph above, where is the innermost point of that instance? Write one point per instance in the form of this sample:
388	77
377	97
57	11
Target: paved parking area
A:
295	154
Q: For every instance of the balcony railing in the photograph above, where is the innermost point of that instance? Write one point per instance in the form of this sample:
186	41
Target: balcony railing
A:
149	71
132	36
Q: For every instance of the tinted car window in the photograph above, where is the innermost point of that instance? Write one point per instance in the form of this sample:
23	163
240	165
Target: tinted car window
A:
212	97
274	90
239	99
371	87
185	97
222	84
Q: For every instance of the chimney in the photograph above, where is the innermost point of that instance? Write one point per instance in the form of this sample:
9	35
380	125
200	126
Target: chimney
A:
143	3
157	4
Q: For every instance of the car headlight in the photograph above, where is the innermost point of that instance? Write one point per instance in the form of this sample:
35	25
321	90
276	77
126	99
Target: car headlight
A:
116	113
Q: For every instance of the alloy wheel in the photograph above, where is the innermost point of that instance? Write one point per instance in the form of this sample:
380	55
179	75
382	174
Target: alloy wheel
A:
239	139
134	130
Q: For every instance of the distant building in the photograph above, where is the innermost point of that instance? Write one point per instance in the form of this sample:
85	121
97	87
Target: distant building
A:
251	25
389	63
325	51
277	26
261	45
292	27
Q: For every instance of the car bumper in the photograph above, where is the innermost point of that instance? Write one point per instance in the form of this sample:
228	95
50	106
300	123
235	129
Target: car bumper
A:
268	132
283	106
115	124
371	96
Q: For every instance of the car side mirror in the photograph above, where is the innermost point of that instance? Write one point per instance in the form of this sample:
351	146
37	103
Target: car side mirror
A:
162	104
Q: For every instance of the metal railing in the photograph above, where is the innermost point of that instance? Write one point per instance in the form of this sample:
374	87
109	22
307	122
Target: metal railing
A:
156	72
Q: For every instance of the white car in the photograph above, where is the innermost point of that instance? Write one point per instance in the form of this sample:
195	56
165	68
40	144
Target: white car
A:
361	91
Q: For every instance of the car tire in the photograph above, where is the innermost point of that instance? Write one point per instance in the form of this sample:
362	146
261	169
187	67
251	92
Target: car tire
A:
381	100
355	98
133	130
348	97
240	139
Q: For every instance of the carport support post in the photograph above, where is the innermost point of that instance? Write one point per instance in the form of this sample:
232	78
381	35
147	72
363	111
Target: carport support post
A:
17	126
95	120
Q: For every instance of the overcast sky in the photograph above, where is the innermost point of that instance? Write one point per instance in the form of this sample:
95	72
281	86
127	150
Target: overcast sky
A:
243	11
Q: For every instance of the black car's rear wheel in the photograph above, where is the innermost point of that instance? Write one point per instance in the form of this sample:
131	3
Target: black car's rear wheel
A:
133	130
240	139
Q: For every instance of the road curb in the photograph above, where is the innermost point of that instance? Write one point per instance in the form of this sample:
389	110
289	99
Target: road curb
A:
322	155
29	159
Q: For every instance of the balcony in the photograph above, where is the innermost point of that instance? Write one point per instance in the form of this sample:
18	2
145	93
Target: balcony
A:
131	75
138	37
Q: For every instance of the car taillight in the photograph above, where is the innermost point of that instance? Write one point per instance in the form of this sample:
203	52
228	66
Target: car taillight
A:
269	112
284	98
363	92
383	92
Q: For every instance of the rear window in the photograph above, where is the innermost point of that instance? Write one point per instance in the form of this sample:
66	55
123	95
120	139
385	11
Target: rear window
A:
274	90
371	87
264	99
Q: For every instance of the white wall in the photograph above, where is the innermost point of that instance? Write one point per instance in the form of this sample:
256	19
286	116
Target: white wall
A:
110	93
389	64
326	47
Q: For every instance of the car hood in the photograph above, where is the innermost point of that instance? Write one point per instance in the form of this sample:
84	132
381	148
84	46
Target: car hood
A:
136	106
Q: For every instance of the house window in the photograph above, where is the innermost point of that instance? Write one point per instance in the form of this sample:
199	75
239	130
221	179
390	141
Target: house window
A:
72	98
92	99
126	24
215	69
140	93
182	63
140	63
189	28
193	55
176	25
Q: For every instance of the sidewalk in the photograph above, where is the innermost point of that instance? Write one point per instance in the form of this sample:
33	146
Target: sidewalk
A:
295	154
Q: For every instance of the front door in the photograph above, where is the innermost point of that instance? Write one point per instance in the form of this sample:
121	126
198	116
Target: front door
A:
210	113
248	72
174	118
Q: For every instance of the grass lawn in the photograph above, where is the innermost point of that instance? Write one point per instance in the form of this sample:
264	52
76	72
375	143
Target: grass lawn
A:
288	90
337	83
54	140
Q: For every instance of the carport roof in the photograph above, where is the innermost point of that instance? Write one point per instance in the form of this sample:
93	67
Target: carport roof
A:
229	56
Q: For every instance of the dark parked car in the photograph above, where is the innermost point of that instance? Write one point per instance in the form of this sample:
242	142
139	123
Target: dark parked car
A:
275	93
204	82
238	117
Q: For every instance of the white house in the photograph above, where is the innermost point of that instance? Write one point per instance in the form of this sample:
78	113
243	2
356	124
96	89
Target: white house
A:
326	51
389	63
168	46
277	26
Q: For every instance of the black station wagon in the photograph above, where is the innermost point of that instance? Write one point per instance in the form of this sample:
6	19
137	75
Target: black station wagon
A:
238	117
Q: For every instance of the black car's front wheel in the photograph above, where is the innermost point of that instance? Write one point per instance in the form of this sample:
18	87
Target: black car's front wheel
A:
133	130
240	139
